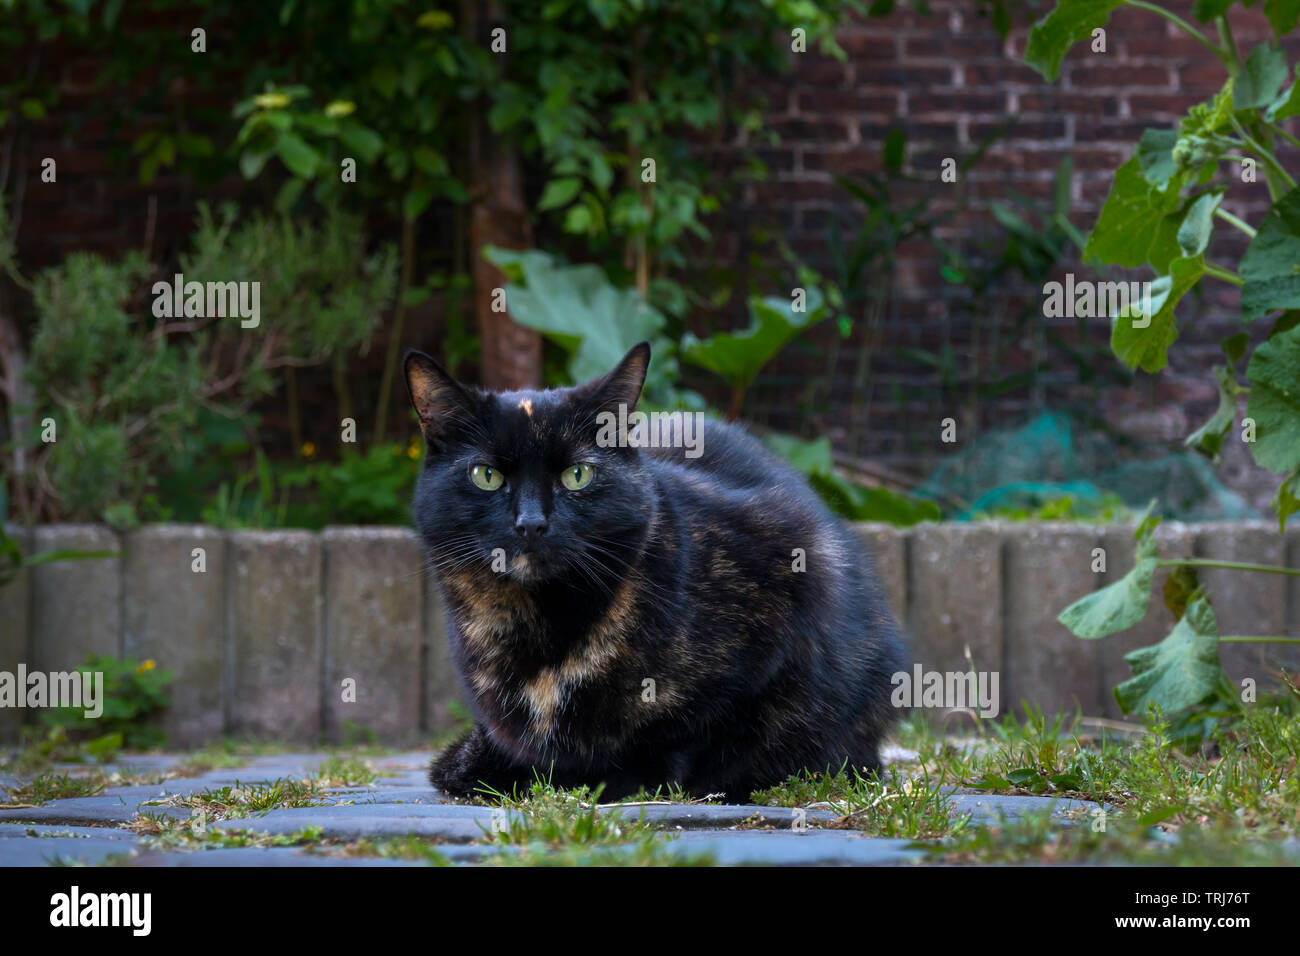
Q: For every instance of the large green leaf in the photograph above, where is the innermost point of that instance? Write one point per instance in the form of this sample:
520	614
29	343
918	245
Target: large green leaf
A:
739	356
1070	22
1117	606
1263	75
1271	265
1283	15
578	308
1138	223
1146	346
1274	404
1198	225
1179	672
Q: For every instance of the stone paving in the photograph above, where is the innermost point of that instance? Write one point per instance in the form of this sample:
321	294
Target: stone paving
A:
90	830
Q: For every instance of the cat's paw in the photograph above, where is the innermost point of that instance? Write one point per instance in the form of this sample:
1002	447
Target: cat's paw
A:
465	765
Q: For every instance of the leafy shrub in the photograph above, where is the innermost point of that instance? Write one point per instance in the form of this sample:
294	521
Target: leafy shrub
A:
135	695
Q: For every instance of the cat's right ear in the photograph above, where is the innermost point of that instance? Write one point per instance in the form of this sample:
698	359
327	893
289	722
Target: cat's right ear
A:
439	400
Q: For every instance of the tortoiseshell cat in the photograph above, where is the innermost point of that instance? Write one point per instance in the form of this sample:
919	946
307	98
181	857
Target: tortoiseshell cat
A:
638	617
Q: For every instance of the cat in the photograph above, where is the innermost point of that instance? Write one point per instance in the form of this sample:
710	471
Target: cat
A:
638	617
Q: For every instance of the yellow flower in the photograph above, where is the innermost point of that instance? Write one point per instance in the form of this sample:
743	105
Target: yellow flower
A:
146	666
435	20
271	101
340	108
308	449
412	453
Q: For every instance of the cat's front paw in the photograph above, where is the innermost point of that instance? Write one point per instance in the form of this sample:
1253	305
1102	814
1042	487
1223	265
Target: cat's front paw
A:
469	764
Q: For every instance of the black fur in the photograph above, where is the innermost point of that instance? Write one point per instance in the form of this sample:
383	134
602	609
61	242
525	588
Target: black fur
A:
664	568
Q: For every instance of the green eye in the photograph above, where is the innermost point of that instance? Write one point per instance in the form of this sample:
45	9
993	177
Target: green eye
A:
577	476
486	477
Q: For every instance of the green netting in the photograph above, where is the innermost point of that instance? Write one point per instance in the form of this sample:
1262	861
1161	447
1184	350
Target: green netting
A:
1050	459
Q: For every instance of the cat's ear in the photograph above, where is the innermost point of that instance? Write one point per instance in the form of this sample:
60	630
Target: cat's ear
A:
623	385
441	402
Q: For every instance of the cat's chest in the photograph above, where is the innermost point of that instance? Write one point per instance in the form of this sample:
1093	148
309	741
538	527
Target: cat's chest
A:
542	689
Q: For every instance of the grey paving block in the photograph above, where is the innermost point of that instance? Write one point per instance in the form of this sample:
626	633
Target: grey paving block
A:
76	604
275	856
88	811
16	831
451	823
1047	567
15	607
699	816
50	851
954	587
992	808
274	609
175	615
786	848
888	547
1176	540
373	631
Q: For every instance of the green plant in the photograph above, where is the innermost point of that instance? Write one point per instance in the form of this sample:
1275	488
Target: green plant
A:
134	696
1161	212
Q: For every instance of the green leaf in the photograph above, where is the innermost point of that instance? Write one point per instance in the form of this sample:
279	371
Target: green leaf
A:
1274	404
1117	606
1234	346
739	356
362	140
1181	671
1263	74
1135	226
1283	15
1208	439
559	192
1071	21
1286	105
1271	266
1181	585
1146	346
1207	10
1155	155
1198	225
578	308
895	149
1287	500
300	158
416	201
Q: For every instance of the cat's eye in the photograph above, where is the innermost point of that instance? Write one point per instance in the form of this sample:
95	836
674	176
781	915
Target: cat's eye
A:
577	476
486	477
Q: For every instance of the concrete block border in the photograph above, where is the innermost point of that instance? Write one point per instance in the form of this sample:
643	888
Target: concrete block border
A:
303	637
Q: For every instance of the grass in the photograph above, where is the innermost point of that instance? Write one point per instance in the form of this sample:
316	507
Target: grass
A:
54	786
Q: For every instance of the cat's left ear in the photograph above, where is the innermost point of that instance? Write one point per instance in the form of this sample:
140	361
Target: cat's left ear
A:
440	401
623	385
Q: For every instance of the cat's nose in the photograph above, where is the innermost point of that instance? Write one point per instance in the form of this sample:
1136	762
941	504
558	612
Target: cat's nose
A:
530	527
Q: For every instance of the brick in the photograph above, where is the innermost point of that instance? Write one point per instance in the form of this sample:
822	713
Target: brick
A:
887	545
373	631
175	616
274	611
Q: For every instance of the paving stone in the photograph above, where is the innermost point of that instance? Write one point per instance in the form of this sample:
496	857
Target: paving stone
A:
274	611
77	604
991	808
700	816
788	848
453	823
18	831
47	851
373	631
88	810
175	615
274	856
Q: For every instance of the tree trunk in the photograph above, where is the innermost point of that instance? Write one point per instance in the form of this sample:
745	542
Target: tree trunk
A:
498	215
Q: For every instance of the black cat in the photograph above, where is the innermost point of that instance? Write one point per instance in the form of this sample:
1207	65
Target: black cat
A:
641	616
